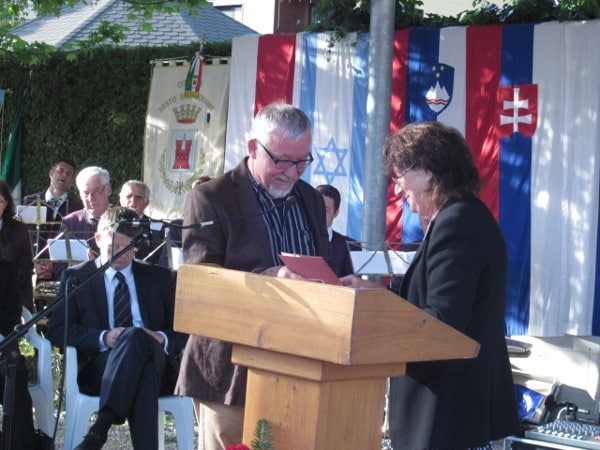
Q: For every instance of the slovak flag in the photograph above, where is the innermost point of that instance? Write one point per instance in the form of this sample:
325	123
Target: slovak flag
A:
526	97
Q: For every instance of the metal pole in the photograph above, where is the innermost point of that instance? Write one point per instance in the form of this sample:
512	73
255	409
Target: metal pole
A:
378	118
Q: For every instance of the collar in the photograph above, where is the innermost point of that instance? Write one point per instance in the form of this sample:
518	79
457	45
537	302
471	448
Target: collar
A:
49	197
126	271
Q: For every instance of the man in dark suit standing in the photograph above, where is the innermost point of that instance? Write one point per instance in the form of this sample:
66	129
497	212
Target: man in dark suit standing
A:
121	323
59	203
261	208
57	199
339	253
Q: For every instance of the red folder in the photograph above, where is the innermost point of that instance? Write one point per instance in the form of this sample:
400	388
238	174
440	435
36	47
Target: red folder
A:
313	268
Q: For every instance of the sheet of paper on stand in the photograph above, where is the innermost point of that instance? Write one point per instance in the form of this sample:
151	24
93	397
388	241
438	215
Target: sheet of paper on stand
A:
58	250
176	257
380	262
31	213
400	261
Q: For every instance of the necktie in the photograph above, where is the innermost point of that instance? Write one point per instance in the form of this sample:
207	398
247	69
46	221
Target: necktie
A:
122	303
54	206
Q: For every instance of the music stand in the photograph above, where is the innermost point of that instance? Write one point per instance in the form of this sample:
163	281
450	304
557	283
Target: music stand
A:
379	258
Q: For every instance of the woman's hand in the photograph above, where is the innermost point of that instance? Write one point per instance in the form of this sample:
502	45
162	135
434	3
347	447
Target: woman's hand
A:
359	283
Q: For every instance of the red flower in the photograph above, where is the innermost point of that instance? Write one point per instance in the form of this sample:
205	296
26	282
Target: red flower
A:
237	447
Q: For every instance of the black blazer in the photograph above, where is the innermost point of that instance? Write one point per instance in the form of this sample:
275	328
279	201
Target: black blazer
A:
10	304
15	247
87	312
459	276
339	255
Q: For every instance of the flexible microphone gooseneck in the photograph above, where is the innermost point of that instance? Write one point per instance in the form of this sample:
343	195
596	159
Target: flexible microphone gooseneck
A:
146	223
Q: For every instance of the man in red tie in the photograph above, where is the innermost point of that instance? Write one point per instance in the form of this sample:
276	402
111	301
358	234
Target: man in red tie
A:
121	322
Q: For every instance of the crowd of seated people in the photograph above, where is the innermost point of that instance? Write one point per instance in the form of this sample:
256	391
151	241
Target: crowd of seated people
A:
27	260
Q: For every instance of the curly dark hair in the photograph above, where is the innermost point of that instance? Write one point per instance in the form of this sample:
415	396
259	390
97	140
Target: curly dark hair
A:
5	192
439	149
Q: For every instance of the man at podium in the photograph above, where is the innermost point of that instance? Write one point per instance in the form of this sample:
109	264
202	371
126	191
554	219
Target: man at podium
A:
258	210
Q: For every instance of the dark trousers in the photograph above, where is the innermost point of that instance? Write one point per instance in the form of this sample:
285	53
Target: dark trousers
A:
22	431
128	379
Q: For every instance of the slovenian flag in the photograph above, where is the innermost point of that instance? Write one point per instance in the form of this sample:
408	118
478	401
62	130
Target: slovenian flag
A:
526	97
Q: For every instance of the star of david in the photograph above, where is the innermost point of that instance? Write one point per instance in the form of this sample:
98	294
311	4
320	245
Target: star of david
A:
324	164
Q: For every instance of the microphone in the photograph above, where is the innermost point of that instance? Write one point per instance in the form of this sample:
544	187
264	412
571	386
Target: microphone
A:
135	223
147	223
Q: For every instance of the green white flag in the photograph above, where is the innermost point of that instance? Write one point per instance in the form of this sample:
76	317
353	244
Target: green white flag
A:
11	167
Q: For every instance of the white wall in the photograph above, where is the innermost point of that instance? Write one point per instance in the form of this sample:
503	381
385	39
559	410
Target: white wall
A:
256	14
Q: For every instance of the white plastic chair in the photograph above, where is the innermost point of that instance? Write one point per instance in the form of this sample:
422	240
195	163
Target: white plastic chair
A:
80	407
42	393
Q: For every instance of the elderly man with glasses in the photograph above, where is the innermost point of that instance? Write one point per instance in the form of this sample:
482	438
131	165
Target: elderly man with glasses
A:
260	209
94	188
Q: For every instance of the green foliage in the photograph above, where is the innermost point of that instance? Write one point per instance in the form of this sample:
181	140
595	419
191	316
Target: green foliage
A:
345	16
91	109
263	436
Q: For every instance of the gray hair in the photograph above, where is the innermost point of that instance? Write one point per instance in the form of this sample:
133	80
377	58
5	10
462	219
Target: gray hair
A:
136	183
89	172
287	119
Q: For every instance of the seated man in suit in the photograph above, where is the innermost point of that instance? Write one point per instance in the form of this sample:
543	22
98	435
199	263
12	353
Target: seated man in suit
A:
95	189
135	194
121	322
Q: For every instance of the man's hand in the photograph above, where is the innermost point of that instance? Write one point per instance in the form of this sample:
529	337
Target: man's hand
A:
43	270
110	337
159	337
282	272
359	283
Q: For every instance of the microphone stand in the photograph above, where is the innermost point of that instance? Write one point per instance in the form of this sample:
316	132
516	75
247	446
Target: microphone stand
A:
8	362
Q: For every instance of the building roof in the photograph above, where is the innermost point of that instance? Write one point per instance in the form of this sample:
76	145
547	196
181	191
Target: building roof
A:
77	23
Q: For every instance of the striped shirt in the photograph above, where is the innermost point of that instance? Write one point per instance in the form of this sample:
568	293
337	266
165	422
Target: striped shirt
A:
286	224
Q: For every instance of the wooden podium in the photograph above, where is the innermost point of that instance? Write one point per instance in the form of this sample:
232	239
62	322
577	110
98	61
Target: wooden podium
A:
318	355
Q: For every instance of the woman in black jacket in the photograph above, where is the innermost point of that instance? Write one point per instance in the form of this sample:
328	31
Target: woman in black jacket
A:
458	275
15	245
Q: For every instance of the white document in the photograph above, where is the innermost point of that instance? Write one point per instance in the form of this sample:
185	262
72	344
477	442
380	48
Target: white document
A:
58	249
29	214
176	257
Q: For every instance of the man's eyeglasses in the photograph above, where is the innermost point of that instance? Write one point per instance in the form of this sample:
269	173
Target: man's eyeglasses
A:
285	164
96	192
397	179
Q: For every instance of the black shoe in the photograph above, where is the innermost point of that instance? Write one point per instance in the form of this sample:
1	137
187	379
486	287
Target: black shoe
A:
43	442
91	441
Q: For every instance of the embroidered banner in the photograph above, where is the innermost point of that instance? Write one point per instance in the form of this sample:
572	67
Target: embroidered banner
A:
185	129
